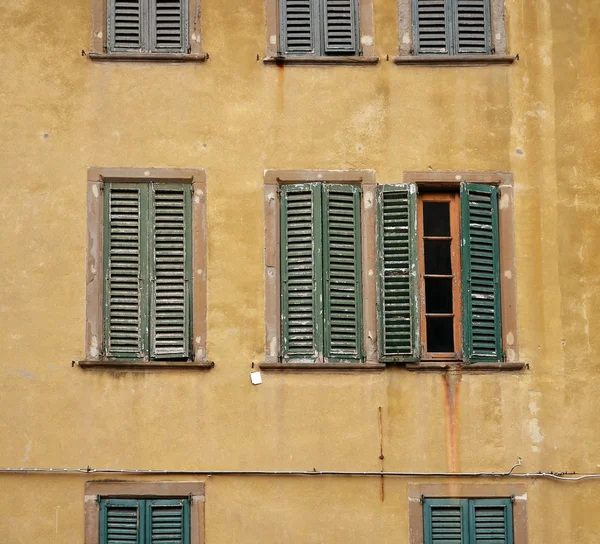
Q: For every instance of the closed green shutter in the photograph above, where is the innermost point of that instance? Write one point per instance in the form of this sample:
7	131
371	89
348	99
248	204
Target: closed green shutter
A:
301	254
299	25
472	27
342	268
168	24
340	19
431	26
126	270
491	521
168	521
398	297
445	521
127	23
121	521
170	268
480	253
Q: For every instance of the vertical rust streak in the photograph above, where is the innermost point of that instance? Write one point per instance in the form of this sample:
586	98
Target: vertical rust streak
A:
451	396
381	456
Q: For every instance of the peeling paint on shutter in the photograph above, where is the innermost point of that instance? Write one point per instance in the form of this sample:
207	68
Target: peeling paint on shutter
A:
170	220
445	521
480	254
301	254
125	257
168	23
472	27
340	19
120	522
397	276
299	24
168	521
126	23
431	26
342	266
490	521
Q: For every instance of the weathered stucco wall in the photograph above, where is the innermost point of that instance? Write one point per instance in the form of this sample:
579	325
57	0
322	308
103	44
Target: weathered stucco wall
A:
236	117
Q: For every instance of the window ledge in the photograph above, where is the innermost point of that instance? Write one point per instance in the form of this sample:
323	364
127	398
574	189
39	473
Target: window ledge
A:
147	57
307	60
146	365
465	367
455	60
327	367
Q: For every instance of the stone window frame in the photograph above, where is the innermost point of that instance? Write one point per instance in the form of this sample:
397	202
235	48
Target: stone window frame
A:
195	491
498	37
94	336
99	50
366	30
273	179
445	180
459	490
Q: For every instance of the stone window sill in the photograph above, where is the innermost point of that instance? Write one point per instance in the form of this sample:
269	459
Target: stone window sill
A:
464	367
455	60
323	367
147	57
146	365
308	60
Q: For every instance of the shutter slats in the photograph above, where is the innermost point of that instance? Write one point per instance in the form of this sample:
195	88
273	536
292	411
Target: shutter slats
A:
342	265
472	23
125	25
120	521
398	298
340	27
169	521
171	246
491	521
445	521
481	273
298	27
168	24
430	26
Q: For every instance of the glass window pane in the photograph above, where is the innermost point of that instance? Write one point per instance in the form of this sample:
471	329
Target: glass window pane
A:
436	218
438	295
437	257
440	335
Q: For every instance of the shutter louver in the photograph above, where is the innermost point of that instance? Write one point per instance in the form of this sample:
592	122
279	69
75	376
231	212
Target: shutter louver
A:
124	251
445	521
398	287
342	266
481	275
125	24
300	271
430	26
340	27
169	521
170	266
472	27
168	23
491	521
298	23
120	522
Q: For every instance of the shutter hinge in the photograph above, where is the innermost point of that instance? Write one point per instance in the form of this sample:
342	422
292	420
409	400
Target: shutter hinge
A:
512	499
422	499
190	498
98	499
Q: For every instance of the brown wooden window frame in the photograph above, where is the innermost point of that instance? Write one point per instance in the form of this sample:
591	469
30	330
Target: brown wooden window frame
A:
94	336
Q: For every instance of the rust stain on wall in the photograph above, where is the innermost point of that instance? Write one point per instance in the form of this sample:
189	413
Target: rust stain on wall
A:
451	409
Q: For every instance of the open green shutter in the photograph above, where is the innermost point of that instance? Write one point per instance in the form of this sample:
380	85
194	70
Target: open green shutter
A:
343	279
490	521
168	26
480	253
445	521
431	26
126	270
170	269
472	33
299	25
397	274
121	521
301	289
168	521
127	23
340	22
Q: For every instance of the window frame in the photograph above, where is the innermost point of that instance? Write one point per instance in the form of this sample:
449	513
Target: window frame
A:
100	47
194	491
94	338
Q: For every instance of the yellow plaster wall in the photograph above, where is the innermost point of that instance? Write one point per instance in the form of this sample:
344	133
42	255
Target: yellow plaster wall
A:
61	113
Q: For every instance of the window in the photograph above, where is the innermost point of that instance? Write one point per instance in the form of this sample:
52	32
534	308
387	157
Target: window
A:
468	521
145	240
143	513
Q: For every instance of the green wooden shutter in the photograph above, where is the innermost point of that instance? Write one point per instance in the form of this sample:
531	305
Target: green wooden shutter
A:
398	295
445	521
121	521
342	267
490	521
340	27
168	26
168	521
126	270
301	288
480	253
127	23
431	26
472	27
170	269
299	25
